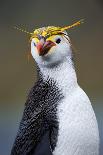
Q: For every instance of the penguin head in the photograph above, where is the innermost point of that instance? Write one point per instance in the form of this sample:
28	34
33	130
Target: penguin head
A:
50	45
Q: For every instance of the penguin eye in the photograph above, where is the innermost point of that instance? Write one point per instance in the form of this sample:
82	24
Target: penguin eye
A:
58	40
34	43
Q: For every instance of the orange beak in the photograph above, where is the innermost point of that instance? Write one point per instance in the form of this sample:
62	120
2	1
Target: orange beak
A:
44	46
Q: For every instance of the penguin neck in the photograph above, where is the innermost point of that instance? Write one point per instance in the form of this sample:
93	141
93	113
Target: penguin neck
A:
63	74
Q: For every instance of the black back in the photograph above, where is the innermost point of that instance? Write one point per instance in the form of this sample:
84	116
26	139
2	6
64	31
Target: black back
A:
39	125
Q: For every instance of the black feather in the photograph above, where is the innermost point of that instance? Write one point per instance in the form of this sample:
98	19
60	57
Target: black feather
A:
39	119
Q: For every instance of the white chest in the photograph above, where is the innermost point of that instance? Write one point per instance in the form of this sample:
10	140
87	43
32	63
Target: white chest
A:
78	130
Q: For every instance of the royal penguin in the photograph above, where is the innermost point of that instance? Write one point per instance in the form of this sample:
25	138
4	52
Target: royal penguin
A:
58	118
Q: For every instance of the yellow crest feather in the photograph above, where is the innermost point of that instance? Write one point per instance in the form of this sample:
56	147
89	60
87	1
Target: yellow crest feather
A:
22	30
50	30
73	25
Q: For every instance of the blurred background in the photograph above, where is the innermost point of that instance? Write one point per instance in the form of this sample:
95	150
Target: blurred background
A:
17	75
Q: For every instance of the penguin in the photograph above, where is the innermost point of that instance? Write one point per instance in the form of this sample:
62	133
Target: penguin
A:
58	117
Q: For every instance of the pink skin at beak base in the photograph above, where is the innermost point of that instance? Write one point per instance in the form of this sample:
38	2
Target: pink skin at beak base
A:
43	47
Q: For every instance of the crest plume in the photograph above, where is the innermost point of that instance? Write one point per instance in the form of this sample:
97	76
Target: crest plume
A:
73	25
50	30
25	31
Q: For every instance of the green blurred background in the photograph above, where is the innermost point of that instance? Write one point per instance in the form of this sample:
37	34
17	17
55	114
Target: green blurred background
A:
17	75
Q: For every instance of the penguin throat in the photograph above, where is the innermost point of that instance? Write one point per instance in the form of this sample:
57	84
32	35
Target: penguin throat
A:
63	74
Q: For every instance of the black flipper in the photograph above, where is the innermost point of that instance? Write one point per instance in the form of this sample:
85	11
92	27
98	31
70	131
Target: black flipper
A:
43	148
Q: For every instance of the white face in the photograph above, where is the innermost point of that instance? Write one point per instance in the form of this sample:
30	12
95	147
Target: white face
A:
56	54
